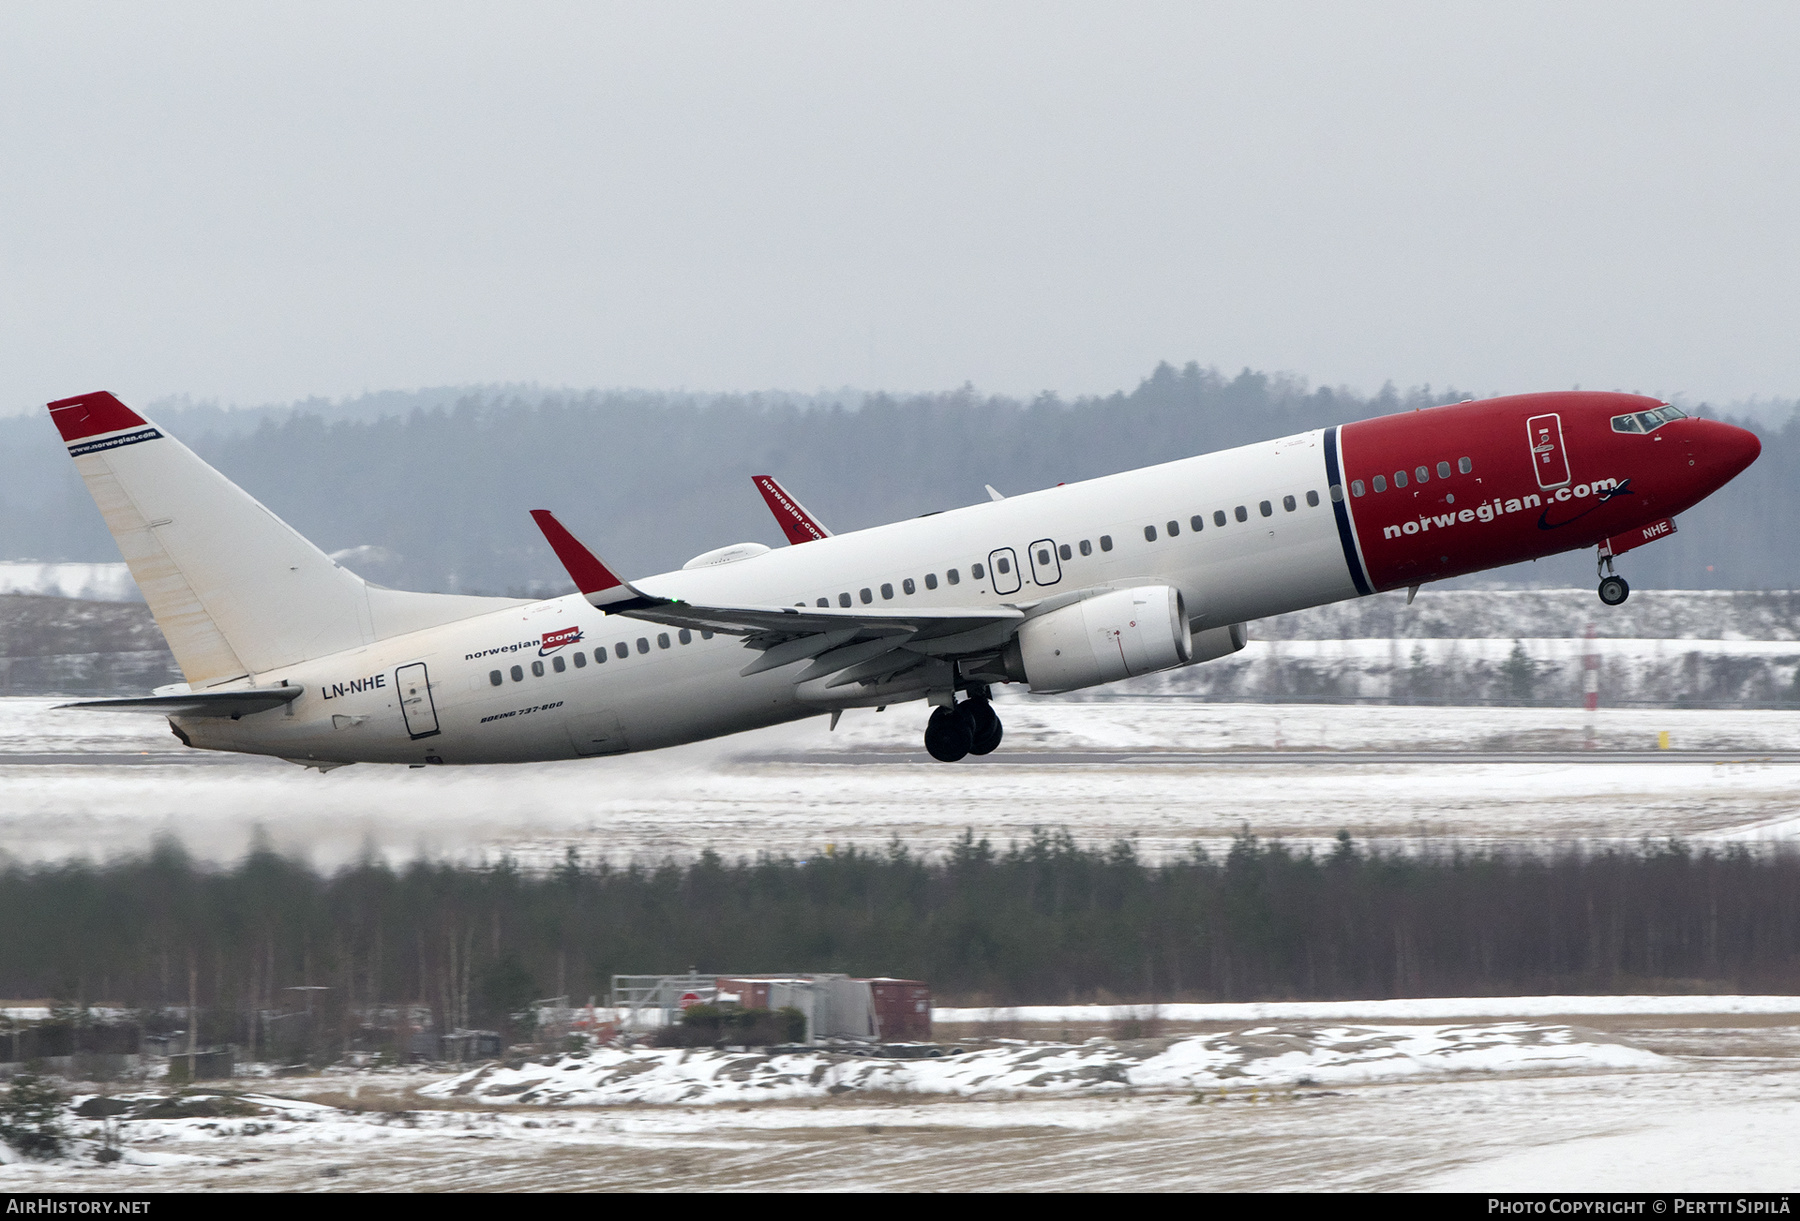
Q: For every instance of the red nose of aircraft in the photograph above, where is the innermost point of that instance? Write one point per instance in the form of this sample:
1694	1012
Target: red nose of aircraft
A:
1722	451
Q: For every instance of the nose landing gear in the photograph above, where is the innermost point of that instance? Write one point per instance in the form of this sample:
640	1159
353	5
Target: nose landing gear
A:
1614	589
970	728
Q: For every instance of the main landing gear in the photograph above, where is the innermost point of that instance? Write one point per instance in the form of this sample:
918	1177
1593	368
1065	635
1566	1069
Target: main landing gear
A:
1614	589
970	728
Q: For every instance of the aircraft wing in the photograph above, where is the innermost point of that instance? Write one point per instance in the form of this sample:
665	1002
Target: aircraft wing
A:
850	644
795	520
233	704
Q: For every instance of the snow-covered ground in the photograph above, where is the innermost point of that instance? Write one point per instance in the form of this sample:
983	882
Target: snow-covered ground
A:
1101	770
1259	1058
1621	1104
98	582
1406	1010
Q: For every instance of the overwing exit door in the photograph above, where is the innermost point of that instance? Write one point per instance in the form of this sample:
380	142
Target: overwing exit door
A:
1046	569
415	700
1004	571
1548	457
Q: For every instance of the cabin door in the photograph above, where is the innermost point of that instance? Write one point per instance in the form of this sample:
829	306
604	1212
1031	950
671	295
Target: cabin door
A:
415	700
1548	457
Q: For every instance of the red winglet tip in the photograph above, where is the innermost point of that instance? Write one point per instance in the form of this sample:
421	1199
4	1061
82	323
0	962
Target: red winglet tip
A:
795	522
584	568
89	415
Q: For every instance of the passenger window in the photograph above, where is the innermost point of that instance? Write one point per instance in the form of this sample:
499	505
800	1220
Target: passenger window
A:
1149	534
1106	542
1443	470
1265	508
955	578
1422	473
1174	528
537	669
866	594
1356	487
495	677
1087	548
1399	479
931	580
907	586
662	640
1241	513
621	650
974	571
581	661
843	599
824	601
1196	523
1464	465
1044	556
1290	504
600	655
1066	552
705	635
558	664
1380	483
685	636
1312	498
1218	517
887	591
518	674
643	645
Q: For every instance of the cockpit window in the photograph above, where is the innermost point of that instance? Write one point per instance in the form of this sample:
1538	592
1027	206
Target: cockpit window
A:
1647	421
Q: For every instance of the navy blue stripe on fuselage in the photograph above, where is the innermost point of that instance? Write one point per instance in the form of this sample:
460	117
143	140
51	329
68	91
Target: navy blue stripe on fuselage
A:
1340	505
128	438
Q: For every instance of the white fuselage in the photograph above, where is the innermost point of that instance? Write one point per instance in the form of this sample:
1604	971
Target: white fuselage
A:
662	691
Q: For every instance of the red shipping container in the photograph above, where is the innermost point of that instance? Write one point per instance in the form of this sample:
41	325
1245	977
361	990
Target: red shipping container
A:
902	1009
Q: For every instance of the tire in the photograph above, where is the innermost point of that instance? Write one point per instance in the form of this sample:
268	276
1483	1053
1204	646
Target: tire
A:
1614	590
985	729
947	736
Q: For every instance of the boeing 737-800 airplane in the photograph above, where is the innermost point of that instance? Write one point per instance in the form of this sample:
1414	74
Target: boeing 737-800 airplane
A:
286	653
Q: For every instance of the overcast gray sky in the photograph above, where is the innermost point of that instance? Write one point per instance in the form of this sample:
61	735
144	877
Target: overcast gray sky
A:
255	202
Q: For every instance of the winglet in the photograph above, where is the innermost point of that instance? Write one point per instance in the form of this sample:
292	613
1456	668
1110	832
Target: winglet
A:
799	525
595	580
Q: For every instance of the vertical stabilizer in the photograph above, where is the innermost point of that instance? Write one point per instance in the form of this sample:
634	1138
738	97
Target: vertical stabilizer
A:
235	590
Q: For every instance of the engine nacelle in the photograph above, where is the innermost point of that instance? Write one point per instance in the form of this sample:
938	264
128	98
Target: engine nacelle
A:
1101	640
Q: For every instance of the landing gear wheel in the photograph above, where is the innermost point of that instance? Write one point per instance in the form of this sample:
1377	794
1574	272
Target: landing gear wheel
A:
985	729
947	736
1614	590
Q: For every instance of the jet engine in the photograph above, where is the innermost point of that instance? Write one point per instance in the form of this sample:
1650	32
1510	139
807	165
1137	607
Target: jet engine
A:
1116	635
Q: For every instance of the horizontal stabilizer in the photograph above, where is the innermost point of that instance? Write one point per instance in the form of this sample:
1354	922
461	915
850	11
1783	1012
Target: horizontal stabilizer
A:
795	521
597	583
233	704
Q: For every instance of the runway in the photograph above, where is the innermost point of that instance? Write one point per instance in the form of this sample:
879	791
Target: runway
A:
1286	758
1169	776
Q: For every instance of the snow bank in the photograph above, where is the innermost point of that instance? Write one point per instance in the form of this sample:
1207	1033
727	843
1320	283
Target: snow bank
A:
95	582
1392	1010
1259	1058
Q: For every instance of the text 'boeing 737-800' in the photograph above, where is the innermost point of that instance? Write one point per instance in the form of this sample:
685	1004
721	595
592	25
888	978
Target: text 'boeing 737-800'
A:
287	653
